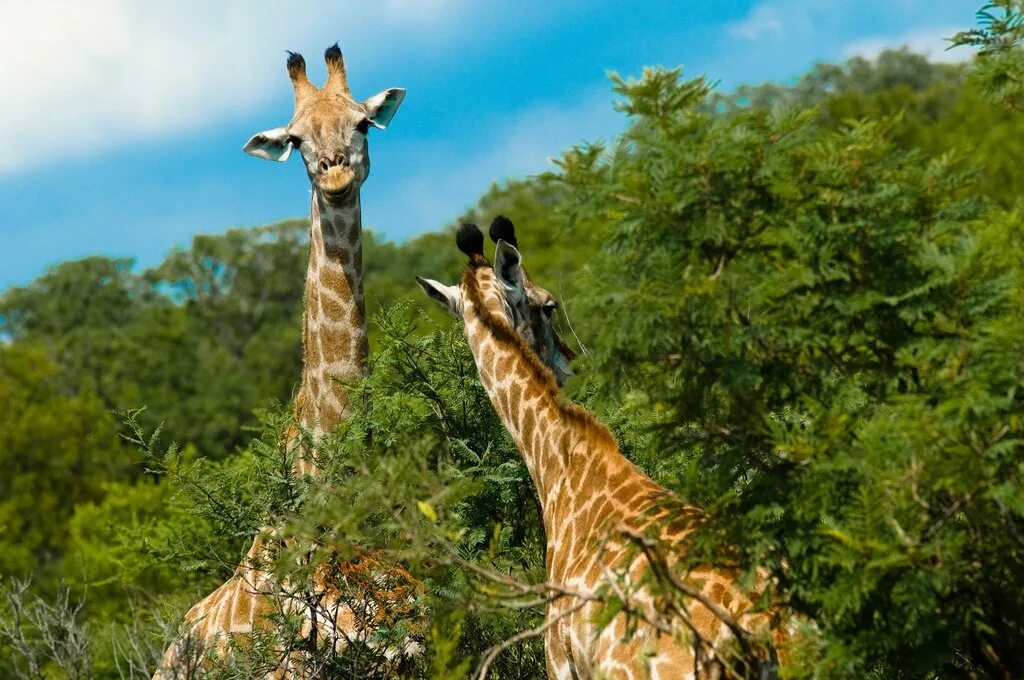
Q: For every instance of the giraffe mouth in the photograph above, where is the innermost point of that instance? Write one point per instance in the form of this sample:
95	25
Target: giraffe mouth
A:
338	195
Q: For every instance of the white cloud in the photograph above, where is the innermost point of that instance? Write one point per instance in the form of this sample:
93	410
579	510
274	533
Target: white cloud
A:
78	76
779	39
762	20
931	43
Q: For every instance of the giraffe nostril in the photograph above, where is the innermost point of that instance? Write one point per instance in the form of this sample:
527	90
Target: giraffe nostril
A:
341	160
325	165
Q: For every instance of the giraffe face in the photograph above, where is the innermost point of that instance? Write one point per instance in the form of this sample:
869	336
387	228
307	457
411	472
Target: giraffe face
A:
529	309
329	128
508	293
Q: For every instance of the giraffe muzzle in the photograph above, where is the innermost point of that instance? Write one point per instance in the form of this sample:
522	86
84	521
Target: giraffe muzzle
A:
337	183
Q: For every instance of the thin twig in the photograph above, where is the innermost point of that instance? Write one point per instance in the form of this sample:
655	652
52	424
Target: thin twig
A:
494	651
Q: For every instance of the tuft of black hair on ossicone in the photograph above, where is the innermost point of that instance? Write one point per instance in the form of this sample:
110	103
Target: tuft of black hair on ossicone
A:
502	229
295	62
470	240
332	53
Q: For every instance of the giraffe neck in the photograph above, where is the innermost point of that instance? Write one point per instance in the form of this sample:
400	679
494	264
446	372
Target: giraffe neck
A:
334	324
561	444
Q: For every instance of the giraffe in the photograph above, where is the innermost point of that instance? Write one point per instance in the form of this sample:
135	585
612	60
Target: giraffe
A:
329	128
599	510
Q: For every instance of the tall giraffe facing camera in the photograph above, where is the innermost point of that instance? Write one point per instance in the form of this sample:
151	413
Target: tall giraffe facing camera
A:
329	128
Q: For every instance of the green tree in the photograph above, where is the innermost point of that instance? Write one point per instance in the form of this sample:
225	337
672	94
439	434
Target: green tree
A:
828	339
57	449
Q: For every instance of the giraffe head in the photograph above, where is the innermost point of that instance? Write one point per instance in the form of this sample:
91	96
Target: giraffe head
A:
506	291
329	128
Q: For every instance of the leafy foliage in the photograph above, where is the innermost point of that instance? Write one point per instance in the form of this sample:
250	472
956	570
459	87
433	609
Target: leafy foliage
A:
813	314
1000	39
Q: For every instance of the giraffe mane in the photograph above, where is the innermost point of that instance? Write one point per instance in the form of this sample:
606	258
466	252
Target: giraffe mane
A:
503	332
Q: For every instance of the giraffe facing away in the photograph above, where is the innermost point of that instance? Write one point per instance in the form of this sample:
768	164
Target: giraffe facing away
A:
596	505
329	128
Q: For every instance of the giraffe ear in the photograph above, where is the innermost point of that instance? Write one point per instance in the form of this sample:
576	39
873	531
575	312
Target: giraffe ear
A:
448	297
381	107
508	264
273	145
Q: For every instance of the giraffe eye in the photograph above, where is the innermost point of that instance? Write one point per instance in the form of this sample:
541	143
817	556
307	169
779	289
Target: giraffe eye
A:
295	141
549	307
363	126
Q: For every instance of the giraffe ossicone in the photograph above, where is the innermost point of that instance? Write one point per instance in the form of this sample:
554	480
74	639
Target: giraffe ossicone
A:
608	526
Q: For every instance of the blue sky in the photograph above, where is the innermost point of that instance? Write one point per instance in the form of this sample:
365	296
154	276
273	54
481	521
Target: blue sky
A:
122	122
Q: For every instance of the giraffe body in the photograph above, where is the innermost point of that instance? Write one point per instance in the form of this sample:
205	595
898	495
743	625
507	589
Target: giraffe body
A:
252	602
329	128
595	503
